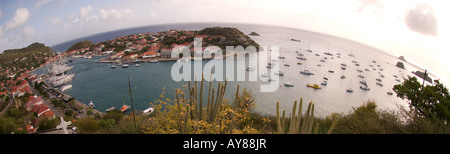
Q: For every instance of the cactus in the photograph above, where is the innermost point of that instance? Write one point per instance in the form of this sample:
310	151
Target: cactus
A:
214	102
299	125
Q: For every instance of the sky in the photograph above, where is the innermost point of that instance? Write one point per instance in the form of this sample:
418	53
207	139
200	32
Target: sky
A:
416	29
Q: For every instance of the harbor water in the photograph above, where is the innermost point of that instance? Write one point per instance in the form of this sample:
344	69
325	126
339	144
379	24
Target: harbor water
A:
107	87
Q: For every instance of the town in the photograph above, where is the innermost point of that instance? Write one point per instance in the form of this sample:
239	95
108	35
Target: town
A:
30	103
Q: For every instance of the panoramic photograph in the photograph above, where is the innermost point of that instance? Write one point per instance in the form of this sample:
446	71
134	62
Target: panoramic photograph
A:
224	67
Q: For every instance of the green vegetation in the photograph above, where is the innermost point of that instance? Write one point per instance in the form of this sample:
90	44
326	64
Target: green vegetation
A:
428	101
20	60
81	44
298	124
186	114
233	37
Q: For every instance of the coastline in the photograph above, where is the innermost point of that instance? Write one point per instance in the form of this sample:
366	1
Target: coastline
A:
160	59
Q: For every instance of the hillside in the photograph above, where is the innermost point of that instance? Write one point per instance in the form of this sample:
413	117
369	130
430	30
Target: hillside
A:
81	44
233	37
29	57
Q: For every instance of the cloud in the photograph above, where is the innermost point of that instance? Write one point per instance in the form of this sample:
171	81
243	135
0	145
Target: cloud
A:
376	5
20	17
41	3
421	19
53	20
85	11
107	14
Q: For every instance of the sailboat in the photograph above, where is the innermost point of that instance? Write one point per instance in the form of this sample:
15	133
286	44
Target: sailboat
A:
286	64
349	89
306	72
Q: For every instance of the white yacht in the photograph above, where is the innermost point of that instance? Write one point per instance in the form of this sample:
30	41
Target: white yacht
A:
64	88
91	104
148	111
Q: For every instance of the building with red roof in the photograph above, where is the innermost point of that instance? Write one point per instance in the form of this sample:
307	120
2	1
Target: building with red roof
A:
150	54
43	110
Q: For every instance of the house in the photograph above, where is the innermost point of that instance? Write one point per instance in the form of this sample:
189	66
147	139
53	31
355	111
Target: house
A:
33	101
150	54
21	89
131	56
30	129
43	110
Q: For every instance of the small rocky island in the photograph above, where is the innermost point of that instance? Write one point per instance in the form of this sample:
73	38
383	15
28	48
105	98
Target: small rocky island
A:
423	76
400	65
254	34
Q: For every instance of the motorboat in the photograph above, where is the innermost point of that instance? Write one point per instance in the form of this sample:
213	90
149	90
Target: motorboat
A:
289	84
153	61
361	76
113	66
124	108
315	86
343	77
306	72
250	68
280	73
148	111
363	82
301	58
137	65
324	83
390	93
125	66
378	79
366	88
350	90
110	108
64	88
380	84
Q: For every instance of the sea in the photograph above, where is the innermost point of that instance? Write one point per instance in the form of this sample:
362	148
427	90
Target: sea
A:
107	87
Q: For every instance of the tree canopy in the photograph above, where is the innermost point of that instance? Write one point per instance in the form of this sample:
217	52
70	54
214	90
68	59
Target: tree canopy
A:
428	101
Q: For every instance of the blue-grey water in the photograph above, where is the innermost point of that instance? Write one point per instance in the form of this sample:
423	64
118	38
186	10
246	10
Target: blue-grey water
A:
108	87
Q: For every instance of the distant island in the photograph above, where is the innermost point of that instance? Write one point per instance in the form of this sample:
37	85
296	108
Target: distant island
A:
402	58
423	76
151	46
254	34
400	65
